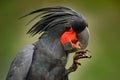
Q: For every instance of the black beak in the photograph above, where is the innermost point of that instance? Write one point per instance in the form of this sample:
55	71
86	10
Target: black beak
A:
83	38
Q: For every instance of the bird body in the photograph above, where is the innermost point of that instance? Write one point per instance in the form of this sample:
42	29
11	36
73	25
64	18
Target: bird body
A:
50	59
21	64
46	59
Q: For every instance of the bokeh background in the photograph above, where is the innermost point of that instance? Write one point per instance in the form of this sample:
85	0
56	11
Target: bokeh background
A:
103	17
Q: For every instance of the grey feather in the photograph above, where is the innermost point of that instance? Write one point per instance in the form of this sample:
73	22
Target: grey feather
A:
21	64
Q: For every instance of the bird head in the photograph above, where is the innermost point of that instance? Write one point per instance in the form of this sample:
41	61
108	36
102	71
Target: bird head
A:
72	26
76	36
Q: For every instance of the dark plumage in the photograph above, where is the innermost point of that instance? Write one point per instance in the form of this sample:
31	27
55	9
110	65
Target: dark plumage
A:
52	16
48	58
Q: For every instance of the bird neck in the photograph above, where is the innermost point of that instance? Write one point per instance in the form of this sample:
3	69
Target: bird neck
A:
51	38
51	45
53	35
51	42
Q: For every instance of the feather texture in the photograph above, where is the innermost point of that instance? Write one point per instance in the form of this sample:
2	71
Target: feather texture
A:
51	16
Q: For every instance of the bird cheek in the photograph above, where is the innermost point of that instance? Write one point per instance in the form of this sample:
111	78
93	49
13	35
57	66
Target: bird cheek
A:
69	40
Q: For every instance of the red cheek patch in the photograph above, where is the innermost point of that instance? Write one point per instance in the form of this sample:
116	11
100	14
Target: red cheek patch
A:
69	36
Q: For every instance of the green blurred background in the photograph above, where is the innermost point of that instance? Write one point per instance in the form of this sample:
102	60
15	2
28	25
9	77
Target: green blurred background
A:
103	17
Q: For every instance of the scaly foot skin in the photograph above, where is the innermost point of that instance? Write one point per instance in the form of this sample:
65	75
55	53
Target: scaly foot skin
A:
78	55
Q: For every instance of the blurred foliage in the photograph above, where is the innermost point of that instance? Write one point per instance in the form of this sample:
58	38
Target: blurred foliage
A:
103	17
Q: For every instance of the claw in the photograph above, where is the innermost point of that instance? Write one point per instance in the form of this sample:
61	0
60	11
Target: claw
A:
81	51
78	55
76	62
82	54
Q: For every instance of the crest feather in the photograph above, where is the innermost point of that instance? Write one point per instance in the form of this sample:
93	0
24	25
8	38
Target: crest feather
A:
50	17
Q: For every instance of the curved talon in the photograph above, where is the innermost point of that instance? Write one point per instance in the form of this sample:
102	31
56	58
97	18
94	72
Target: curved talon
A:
81	51
76	62
78	55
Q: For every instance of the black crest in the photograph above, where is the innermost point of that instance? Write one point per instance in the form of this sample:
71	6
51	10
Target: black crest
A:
50	17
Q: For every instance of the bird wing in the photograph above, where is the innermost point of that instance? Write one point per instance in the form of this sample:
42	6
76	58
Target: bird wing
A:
21	64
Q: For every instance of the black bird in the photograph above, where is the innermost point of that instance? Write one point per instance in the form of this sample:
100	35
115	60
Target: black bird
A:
63	31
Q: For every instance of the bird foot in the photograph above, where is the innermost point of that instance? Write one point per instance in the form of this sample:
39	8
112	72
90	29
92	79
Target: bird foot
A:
78	55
